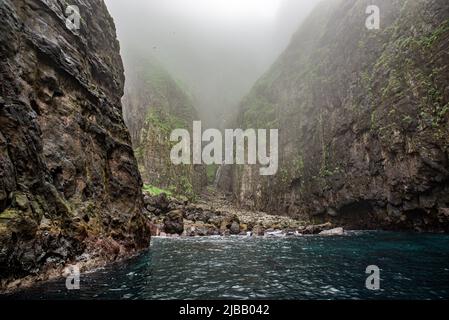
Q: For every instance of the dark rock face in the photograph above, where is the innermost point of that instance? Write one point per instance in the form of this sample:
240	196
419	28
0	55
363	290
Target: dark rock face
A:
157	204
363	117
171	216
316	229
174	222
68	177
235	228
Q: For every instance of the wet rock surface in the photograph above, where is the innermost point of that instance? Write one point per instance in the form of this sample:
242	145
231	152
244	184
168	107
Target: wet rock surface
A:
69	183
174	222
214	214
333	232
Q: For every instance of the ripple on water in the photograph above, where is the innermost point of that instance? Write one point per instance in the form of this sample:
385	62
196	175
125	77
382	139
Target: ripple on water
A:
412	266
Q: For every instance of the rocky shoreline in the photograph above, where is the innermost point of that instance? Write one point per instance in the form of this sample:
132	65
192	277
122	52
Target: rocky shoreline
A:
214	215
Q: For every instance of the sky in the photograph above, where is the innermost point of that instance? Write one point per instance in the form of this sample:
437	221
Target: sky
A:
216	48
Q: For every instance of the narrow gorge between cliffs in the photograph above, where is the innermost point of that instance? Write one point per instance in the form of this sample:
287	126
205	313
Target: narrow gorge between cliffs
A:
224	149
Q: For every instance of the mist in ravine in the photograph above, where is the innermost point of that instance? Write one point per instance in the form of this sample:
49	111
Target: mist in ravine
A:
217	49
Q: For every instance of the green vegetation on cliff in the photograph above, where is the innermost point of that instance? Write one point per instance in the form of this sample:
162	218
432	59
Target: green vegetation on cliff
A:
154	105
363	118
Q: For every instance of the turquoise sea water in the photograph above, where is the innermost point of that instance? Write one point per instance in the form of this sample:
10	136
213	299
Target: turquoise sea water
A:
412	266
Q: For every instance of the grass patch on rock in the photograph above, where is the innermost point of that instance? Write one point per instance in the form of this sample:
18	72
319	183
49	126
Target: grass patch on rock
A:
155	191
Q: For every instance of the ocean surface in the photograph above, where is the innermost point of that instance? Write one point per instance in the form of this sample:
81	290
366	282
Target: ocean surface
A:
412	266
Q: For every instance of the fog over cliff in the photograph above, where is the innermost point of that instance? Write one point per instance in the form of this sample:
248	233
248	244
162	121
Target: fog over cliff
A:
216	48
